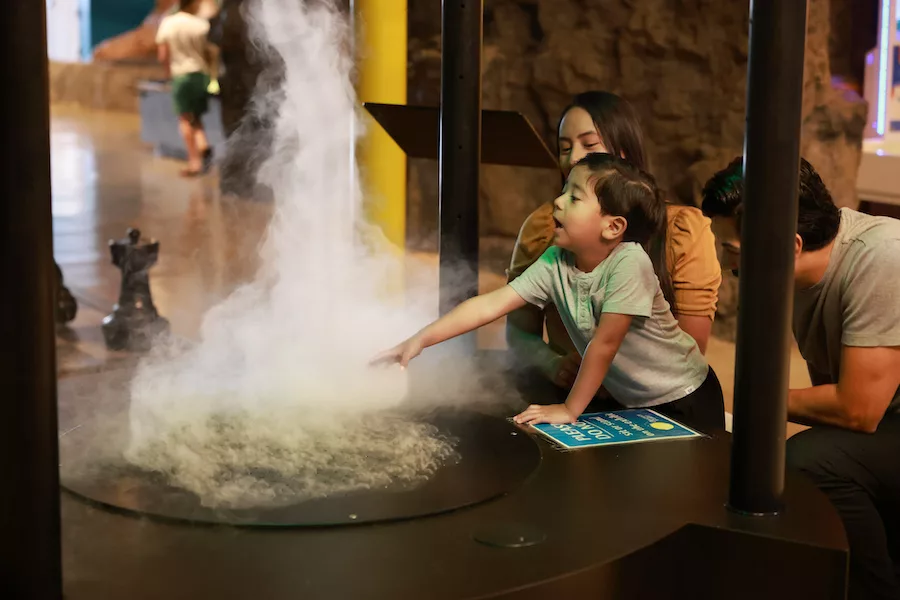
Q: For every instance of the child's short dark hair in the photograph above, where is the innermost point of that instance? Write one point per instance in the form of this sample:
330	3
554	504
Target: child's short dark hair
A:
818	219
624	190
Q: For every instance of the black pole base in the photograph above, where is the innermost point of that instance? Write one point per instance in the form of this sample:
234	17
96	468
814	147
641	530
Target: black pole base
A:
133	333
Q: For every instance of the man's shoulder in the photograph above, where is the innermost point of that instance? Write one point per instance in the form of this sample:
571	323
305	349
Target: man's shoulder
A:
868	230
868	239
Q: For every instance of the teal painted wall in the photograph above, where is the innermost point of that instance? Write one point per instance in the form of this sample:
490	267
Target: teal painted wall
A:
109	18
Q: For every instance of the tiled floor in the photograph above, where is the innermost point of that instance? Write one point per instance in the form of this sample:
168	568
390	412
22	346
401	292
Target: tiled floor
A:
105	181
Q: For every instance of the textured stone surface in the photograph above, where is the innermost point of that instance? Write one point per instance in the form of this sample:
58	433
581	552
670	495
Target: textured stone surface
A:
833	117
682	63
137	44
140	43
100	85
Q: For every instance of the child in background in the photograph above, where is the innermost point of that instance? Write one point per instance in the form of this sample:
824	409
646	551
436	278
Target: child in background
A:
604	285
192	63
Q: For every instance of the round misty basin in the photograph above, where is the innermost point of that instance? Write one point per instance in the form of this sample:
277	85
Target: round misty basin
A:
491	458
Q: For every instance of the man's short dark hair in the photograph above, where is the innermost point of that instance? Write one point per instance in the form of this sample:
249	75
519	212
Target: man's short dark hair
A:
818	218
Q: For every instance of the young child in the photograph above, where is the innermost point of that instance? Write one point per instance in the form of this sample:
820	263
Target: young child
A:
192	62
605	287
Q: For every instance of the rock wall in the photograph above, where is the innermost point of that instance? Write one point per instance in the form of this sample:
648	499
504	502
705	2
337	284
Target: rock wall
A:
140	43
682	63
137	44
854	31
100	85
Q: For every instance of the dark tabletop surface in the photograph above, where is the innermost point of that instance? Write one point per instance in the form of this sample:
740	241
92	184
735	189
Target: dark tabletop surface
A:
592	506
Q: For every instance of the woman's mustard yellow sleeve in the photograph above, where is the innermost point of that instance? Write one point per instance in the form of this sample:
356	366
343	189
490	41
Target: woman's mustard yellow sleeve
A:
535	236
693	264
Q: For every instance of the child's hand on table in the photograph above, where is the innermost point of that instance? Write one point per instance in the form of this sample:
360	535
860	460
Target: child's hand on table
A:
401	353
550	413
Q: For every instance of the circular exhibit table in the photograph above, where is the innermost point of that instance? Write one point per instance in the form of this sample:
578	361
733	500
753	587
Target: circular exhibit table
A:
492	459
515	517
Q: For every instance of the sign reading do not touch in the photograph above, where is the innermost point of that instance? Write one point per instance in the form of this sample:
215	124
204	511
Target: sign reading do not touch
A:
617	427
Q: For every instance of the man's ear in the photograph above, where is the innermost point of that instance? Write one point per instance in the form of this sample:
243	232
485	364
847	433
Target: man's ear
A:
798	245
615	228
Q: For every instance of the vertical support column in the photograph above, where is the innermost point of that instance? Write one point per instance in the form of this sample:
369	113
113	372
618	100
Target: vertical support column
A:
380	29
460	149
29	462
769	226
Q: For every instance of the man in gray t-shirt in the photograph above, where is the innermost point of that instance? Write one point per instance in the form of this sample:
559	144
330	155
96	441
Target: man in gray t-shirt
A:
847	326
856	303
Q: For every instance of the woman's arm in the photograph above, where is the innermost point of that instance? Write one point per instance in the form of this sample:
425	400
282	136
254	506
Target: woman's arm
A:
525	326
698	327
696	273
470	315
611	330
525	337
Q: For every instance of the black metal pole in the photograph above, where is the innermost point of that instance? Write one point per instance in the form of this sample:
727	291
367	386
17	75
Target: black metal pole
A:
769	224
29	502
460	150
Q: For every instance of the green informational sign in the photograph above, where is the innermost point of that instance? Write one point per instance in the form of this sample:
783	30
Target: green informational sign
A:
628	426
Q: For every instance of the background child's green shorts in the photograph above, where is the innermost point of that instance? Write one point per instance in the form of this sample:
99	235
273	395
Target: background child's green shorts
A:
189	94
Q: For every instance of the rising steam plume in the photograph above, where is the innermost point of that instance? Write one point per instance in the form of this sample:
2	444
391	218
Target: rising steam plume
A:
276	402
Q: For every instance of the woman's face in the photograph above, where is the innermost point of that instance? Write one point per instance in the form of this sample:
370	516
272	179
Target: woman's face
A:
578	136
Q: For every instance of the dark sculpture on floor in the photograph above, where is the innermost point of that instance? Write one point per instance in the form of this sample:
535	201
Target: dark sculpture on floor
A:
66	306
134	322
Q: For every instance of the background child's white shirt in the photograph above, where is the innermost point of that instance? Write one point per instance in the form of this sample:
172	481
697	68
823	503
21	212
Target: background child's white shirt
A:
657	361
186	36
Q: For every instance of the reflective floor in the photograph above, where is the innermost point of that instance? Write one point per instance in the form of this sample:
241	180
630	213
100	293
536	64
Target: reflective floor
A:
105	181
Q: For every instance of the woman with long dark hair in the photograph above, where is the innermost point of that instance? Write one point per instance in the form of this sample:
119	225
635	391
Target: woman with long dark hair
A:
598	121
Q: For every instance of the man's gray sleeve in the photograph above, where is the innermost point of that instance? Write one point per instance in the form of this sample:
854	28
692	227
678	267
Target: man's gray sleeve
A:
871	298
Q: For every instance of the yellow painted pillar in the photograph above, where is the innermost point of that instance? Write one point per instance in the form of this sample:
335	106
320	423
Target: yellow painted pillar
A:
380	48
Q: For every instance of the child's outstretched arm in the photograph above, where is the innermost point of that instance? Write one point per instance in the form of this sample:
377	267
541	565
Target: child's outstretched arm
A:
611	330
471	314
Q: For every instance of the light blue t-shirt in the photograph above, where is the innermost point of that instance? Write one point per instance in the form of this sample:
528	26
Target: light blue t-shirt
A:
657	361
